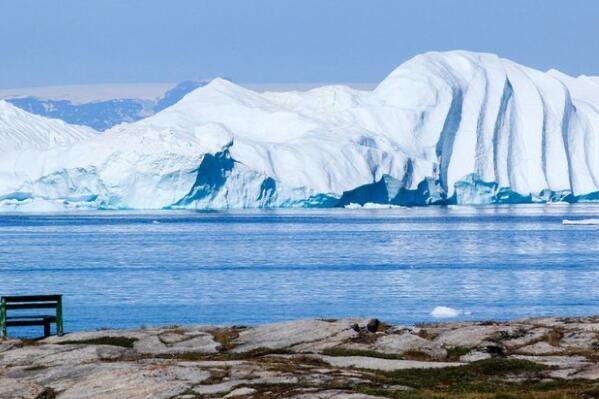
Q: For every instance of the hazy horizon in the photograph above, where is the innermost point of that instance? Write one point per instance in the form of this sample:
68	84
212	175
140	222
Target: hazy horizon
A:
267	41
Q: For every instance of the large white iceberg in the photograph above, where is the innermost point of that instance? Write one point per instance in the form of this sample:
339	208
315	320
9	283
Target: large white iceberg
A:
454	127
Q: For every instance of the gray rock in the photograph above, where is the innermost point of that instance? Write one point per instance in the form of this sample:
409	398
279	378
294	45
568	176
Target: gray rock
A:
373	325
240	392
527	338
474	356
565	362
334	394
579	340
407	342
540	348
162	363
199	343
122	380
110	353
11	388
473	336
364	362
288	334
217	388
590	373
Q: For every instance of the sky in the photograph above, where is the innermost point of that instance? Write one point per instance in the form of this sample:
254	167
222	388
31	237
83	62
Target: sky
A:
65	42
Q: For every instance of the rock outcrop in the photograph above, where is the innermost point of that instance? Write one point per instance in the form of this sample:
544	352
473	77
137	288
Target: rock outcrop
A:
307	359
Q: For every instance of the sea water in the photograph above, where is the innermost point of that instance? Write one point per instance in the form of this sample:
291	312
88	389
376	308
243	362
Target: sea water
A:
123	269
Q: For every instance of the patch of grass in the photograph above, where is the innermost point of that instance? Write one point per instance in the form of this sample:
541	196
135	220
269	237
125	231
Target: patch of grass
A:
365	337
427	334
36	368
216	376
409	355
124	342
176	330
249	355
416	355
225	337
468	377
591	393
454	353
339	351
29	342
47	393
293	364
554	337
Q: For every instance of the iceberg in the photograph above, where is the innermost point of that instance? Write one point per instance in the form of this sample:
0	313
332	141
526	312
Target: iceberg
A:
441	312
443	128
581	222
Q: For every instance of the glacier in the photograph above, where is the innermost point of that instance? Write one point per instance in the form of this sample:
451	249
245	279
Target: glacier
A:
443	128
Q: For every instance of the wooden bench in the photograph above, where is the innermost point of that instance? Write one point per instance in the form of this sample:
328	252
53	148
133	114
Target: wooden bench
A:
13	303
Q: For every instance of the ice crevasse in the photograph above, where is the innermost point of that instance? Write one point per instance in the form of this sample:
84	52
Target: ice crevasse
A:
443	128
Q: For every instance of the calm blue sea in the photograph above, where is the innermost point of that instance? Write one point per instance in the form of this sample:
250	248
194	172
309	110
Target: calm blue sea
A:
132	269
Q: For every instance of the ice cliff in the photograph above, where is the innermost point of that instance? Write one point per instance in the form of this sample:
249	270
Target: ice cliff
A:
454	127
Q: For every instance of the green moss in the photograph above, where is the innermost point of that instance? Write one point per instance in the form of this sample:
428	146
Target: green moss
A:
36	367
253	354
338	351
554	337
477	376
416	355
456	352
225	337
124	342
47	393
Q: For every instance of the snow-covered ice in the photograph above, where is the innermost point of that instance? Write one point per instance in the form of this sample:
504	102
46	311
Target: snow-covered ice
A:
370	205
445	312
581	222
454	127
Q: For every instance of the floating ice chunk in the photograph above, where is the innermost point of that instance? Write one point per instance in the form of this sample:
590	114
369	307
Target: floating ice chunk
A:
445	312
352	205
581	222
371	205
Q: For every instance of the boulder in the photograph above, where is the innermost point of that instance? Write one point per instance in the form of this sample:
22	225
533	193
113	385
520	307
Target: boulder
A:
407	342
288	334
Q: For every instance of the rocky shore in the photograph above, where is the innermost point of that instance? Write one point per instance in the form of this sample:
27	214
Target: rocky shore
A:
310	359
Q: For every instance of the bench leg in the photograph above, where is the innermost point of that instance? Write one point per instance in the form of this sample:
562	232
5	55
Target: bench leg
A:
59	325
46	328
3	317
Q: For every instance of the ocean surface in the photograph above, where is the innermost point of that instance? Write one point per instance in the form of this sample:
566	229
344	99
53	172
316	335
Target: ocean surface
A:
133	269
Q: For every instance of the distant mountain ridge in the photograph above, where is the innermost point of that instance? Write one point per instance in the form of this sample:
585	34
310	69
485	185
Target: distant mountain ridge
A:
102	115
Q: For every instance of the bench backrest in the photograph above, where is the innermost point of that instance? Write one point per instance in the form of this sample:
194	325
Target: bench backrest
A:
31	302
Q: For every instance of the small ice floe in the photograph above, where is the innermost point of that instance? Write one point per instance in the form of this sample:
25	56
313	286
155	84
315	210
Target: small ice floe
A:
445	312
583	222
155	222
371	205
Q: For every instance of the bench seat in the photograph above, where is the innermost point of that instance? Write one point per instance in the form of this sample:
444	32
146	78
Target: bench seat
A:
23	323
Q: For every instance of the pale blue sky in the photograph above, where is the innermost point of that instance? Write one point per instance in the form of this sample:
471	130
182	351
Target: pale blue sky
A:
117	41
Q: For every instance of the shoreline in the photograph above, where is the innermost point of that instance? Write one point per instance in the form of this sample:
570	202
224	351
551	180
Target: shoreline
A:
305	359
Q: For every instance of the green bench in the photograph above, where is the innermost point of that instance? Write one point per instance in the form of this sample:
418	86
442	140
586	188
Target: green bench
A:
28	302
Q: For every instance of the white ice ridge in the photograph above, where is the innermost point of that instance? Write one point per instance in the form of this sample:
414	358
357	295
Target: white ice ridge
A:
20	130
453	127
581	222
